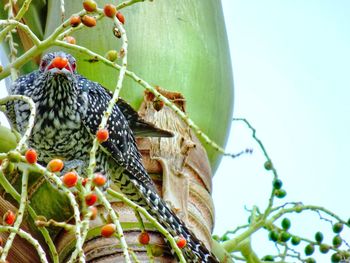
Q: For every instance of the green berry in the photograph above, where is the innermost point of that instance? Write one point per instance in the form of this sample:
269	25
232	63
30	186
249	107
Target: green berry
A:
216	237
268	258
284	237
277	184
280	193
337	228
298	208
337	241
335	258
319	237
224	238
309	249
295	240
310	260
268	165
348	222
273	236
324	248
285	223
112	55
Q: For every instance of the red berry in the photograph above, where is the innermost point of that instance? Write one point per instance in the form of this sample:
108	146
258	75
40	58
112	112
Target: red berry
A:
109	10
70	179
158	105
59	62
88	21
55	165
75	21
90	5
99	179
31	156
70	40
181	242
108	230
93	210
84	181
90	199
9	217
120	17
102	135
144	238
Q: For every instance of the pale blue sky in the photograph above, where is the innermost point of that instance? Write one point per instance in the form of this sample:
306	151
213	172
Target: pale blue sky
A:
291	62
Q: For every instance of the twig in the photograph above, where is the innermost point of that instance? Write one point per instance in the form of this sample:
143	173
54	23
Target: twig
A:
152	220
115	221
27	237
18	17
12	191
25	28
19	218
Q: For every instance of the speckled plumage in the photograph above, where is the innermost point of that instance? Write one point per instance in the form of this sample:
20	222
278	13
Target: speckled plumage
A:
69	111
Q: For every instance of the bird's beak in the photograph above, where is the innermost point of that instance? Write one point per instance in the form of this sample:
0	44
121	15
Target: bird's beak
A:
59	65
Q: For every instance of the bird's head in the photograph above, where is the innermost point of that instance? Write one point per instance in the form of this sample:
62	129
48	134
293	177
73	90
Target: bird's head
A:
58	63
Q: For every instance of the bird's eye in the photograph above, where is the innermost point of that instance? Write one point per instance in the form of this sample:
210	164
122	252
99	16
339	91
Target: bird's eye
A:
43	64
74	66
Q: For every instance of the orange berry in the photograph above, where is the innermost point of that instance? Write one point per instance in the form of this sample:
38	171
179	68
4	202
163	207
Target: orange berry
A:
55	165
120	17
75	21
93	210
144	238
99	179
102	135
70	179
70	40
108	230
9	217
89	5
181	242
31	156
90	199
1	242
109	10
88	21
59	62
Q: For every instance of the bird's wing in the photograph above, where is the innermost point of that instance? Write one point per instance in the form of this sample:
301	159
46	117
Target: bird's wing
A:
121	145
139	127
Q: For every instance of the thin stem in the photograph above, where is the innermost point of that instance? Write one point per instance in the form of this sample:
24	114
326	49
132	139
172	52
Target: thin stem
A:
152	220
19	218
268	159
142	227
12	191
115	220
27	237
128	3
18	17
112	102
25	28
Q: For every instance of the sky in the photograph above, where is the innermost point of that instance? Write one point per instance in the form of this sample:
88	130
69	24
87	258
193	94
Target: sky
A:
291	62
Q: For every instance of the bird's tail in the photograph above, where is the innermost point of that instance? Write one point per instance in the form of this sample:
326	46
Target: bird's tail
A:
147	197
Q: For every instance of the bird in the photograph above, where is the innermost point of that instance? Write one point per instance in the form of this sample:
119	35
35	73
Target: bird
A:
69	109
